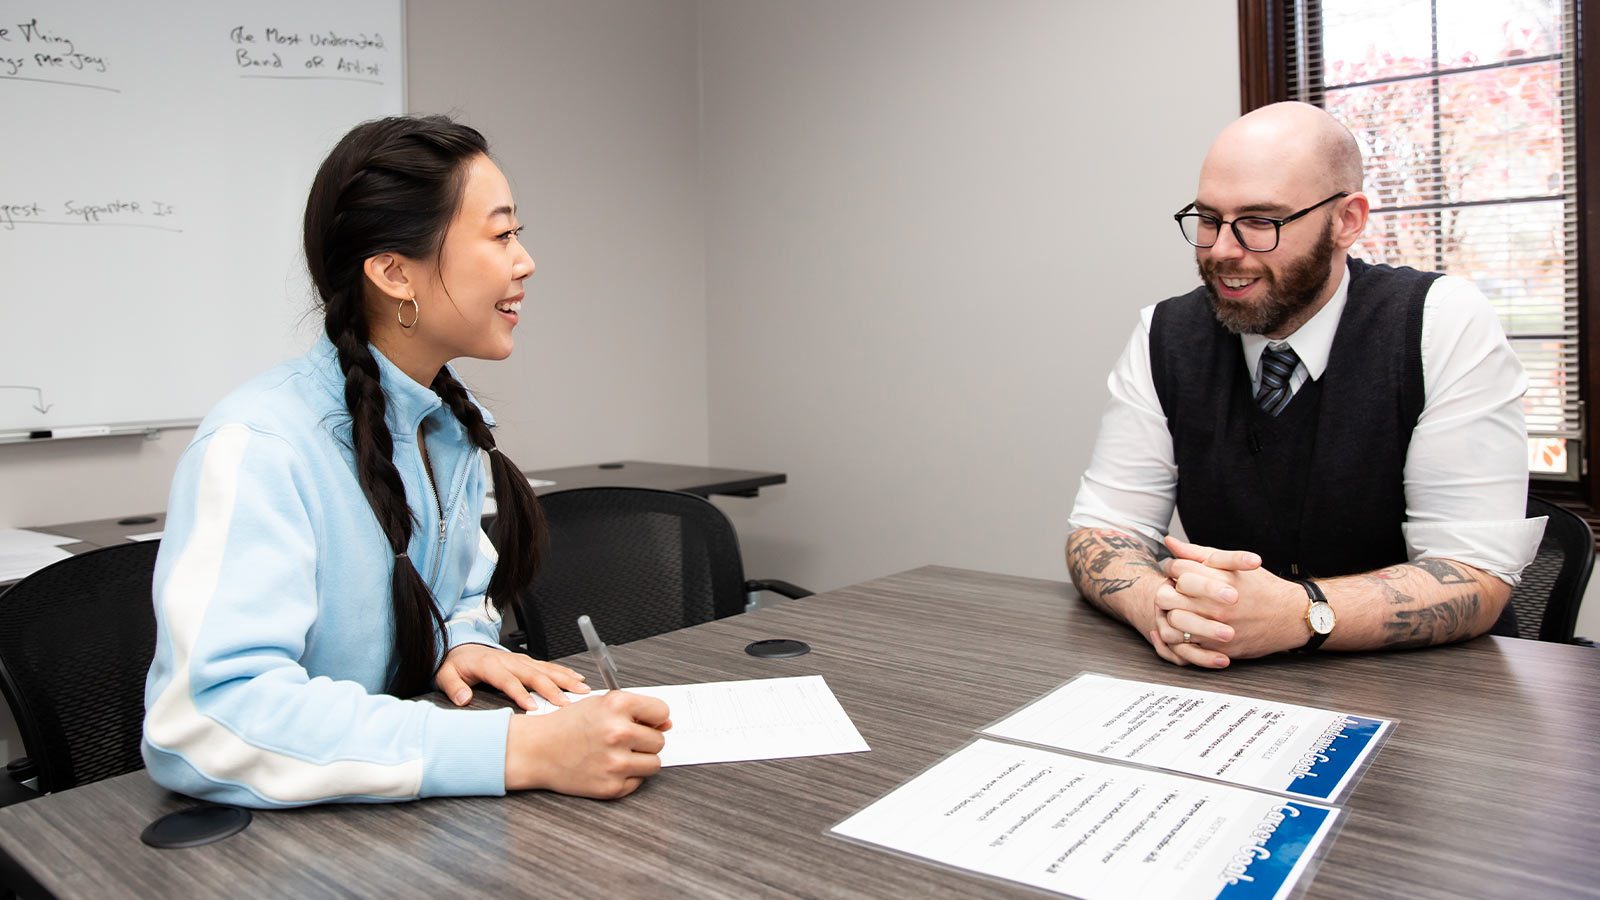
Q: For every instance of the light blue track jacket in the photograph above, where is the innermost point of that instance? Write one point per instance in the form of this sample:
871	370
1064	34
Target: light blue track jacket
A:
274	625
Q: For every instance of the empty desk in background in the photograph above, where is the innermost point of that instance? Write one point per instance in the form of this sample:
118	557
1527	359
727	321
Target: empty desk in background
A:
96	533
105	532
662	476
1486	787
701	480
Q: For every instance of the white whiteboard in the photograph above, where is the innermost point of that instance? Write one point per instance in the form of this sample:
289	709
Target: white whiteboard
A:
155	164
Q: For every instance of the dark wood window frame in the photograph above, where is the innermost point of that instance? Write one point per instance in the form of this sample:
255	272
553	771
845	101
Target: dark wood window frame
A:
1263	33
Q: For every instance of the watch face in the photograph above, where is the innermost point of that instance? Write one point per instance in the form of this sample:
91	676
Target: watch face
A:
1321	618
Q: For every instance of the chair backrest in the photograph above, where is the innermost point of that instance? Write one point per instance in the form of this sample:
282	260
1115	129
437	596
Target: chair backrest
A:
1547	600
638	561
76	640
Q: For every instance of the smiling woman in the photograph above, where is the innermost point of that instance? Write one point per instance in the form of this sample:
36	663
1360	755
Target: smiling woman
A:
323	556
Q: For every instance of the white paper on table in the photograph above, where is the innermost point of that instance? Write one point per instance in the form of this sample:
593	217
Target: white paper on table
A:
147	536
1095	829
16	564
731	721
12	539
1263	744
490	507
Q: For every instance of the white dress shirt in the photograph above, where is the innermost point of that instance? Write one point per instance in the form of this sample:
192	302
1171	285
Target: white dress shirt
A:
1466	470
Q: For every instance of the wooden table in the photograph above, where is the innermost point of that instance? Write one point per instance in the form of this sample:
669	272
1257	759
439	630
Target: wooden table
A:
1487	787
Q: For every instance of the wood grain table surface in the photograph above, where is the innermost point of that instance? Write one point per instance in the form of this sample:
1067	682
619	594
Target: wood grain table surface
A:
1487	787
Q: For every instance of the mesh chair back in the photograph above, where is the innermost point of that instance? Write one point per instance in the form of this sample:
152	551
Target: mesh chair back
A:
638	561
1547	599
76	640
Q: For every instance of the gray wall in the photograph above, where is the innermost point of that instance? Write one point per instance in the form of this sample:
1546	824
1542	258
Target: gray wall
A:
929	229
590	108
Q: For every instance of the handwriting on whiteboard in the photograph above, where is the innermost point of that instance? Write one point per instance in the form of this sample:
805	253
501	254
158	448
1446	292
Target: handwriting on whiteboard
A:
273	52
36	51
113	211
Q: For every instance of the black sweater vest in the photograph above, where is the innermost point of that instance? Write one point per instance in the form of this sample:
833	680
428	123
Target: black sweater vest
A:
1318	490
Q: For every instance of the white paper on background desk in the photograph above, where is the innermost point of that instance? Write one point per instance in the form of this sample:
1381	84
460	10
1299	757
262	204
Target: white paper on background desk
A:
147	536
490	507
24	552
1095	829
1282	747
24	539
732	721
18	564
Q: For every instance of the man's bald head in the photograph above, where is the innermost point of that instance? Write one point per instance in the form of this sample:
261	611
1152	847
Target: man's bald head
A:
1295	142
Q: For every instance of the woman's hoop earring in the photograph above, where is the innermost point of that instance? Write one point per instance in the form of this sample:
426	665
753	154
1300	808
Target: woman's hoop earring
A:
400	313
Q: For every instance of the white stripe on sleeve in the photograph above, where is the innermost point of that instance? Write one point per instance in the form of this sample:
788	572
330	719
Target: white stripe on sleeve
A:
174	723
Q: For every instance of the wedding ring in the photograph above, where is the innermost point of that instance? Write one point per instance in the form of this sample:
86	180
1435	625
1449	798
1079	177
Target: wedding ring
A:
1186	638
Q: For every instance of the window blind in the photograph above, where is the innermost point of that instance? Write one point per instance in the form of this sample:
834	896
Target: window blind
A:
1466	114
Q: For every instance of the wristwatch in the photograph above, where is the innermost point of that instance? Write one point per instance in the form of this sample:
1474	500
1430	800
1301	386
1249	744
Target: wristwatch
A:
1319	615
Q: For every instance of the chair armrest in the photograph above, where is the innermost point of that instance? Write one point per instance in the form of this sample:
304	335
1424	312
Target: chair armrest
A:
792	591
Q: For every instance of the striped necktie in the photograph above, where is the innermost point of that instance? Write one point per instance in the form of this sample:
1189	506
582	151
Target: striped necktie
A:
1276	367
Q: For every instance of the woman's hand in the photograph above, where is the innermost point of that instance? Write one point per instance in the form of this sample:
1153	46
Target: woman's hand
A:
604	747
512	673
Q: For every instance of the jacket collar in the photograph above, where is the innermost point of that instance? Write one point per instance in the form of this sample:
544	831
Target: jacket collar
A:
407	403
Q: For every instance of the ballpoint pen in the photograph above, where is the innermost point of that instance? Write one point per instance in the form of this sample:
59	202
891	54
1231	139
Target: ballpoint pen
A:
598	652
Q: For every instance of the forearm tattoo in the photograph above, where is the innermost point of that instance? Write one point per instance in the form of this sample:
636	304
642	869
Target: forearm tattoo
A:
1384	582
1444	572
1423	623
1103	563
1441	623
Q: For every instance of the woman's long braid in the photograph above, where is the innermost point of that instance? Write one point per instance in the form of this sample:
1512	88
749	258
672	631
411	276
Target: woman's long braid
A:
519	527
418	621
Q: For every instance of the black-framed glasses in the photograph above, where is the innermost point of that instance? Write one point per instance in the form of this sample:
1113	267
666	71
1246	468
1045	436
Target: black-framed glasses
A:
1255	233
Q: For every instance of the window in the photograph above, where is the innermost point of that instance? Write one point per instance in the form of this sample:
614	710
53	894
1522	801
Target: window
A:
1469	118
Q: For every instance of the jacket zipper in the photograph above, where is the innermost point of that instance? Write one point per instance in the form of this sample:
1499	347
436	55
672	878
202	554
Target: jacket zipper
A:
457	484
438	556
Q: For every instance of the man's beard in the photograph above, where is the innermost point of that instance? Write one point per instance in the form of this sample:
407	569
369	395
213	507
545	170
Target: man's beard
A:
1287	295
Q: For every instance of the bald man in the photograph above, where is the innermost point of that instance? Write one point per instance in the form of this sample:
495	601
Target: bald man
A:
1344	442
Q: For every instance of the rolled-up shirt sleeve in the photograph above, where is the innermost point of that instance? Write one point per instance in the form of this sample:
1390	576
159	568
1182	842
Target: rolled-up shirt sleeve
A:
1466	471
1131	484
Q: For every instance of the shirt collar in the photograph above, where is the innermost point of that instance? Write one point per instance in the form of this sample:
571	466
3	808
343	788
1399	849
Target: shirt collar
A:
1312	342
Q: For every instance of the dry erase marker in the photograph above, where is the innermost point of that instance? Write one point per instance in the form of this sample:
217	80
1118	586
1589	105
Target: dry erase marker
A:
73	432
599	653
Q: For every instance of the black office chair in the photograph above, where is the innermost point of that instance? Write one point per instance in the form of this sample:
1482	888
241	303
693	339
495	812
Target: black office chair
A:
1547	600
638	561
76	639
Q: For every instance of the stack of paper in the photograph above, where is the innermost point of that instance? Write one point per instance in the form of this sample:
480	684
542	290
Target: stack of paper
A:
1165	792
